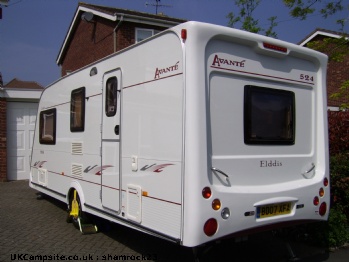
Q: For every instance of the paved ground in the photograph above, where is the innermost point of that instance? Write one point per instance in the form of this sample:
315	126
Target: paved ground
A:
35	230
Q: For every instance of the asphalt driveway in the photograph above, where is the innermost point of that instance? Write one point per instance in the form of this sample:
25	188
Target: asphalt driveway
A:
33	229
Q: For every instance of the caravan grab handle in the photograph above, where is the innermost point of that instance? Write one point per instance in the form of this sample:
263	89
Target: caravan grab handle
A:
221	172
308	171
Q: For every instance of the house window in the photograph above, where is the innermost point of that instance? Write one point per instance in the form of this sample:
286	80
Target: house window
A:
111	96
142	33
77	110
269	116
47	132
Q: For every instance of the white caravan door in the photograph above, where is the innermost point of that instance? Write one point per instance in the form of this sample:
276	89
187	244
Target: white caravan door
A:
111	140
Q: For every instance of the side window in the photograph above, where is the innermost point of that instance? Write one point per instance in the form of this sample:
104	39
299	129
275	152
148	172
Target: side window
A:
269	116
111	94
47	132
77	110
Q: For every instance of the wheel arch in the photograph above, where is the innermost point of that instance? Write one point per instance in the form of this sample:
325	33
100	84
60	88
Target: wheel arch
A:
75	185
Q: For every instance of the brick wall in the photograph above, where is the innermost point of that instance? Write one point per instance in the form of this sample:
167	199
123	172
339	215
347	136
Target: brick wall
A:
337	73
3	147
92	41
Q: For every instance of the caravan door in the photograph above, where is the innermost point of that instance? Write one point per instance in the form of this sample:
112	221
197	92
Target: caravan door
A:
110	175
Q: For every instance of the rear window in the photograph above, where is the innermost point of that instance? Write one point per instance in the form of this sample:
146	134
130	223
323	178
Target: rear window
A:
269	116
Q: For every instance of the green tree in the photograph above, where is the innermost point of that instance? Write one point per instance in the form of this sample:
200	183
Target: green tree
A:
303	8
299	9
247	20
336	49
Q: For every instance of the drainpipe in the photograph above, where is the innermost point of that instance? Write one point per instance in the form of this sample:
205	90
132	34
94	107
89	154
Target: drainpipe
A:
116	29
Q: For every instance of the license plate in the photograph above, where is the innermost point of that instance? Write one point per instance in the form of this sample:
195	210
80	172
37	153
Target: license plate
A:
274	210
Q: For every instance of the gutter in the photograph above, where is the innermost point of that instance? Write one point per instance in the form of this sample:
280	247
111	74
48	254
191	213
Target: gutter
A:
116	29
148	20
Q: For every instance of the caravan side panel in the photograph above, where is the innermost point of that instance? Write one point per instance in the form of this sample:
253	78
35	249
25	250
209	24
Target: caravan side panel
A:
126	168
152	140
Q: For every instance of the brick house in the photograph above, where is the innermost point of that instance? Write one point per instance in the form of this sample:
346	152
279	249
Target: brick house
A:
18	107
337	72
98	31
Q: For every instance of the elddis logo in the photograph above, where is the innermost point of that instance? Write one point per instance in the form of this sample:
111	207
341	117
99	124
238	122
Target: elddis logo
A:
270	163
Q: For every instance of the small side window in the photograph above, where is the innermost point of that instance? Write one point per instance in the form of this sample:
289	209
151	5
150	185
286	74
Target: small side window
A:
77	110
47	132
111	95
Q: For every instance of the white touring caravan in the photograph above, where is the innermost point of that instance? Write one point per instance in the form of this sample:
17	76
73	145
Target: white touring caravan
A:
199	133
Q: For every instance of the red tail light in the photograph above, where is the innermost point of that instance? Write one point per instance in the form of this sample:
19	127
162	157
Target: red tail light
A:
210	227
323	209
206	192
184	34
275	47
316	201
325	181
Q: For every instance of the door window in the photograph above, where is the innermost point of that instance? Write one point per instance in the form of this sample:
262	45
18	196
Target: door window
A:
111	96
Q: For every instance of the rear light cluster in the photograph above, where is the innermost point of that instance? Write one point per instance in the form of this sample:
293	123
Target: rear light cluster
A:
317	198
275	47
211	225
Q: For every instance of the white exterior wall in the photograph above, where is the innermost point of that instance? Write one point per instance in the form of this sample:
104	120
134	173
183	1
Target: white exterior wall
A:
214	132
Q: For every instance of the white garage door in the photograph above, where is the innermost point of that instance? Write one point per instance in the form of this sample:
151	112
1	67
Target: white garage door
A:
21	118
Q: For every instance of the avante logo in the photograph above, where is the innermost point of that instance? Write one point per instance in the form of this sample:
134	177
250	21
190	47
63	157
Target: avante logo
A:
218	61
155	168
159	72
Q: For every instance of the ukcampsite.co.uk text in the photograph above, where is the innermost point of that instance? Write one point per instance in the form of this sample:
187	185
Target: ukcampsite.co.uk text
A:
89	257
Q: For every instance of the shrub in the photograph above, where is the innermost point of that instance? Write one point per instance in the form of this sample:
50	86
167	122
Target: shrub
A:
334	232
339	168
338	233
330	234
338	128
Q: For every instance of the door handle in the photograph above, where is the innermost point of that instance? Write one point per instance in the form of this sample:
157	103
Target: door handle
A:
117	130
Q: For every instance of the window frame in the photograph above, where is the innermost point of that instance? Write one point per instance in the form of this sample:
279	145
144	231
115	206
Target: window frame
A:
43	135
153	32
108	112
77	124
249	91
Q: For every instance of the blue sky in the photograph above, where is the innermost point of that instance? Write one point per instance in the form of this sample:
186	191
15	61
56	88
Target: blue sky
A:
32	31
